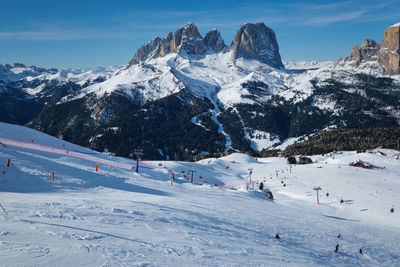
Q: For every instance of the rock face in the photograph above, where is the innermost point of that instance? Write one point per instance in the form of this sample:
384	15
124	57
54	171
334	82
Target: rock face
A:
214	41
389	55
257	41
186	39
367	52
146	50
189	39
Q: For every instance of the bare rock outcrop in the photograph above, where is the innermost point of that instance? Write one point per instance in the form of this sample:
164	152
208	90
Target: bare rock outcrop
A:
257	41
367	52
214	41
146	50
389	55
186	39
385	55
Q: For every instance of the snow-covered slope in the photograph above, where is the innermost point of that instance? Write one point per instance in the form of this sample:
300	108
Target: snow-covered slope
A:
19	71
174	86
141	82
226	82
306	65
24	77
118	217
216	76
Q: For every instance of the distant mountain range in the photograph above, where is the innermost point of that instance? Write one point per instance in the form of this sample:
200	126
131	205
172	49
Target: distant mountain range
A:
185	95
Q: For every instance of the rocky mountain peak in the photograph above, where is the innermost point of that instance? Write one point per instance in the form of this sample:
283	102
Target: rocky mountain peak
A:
186	39
389	55
255	41
391	38
259	42
368	43
189	39
386	54
146	50
19	65
367	52
190	30
214	41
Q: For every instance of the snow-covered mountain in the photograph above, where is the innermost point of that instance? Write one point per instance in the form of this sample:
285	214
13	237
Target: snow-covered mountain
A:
306	65
377	58
34	87
185	94
117	217
19	73
165	66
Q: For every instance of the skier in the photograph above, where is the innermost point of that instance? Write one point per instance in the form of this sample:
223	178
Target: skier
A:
327	194
277	237
338	236
261	187
392	210
337	248
361	252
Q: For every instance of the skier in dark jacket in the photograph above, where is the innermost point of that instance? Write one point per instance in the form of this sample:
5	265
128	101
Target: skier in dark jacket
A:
277	237
361	252
337	248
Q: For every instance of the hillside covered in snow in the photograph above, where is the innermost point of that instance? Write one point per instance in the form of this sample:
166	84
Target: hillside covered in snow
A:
115	216
186	95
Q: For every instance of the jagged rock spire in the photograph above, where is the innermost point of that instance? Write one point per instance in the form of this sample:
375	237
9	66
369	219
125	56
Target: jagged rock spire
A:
214	41
387	54
390	49
186	39
259	42
255	41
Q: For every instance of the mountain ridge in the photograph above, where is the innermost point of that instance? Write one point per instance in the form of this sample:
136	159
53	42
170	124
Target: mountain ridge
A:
252	41
171	104
384	56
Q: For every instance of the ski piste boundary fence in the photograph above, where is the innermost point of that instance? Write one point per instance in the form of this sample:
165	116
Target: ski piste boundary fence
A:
88	157
6	141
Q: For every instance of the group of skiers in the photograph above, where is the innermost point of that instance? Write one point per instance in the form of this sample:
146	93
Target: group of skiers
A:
277	237
337	246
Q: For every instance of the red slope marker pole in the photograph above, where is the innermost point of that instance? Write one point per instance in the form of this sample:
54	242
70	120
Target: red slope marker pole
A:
8	162
52	175
4	174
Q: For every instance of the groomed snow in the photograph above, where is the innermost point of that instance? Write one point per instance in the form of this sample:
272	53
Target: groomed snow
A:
116	217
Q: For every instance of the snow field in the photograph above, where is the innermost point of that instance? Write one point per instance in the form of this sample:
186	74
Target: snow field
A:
122	218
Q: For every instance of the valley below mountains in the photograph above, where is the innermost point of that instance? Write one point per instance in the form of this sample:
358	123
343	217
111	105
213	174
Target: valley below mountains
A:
186	95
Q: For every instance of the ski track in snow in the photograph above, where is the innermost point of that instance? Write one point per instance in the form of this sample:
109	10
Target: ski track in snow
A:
121	218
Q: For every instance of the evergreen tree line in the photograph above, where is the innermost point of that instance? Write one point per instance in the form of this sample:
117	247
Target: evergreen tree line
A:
348	140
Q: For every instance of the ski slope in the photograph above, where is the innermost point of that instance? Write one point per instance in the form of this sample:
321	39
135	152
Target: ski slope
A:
117	217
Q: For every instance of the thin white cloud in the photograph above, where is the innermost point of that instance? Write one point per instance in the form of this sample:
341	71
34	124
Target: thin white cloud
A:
62	34
323	20
329	6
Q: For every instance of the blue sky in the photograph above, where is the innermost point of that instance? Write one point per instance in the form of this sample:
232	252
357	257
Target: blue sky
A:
67	34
